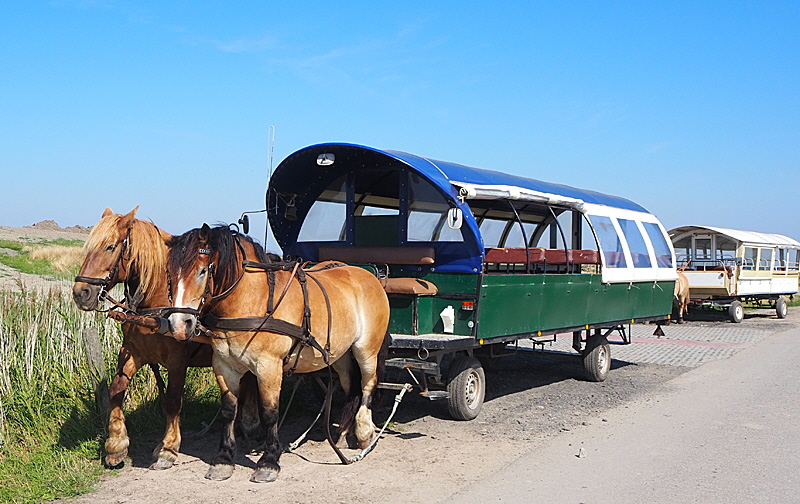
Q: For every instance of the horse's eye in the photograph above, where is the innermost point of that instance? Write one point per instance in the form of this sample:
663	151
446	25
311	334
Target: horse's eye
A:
203	272
110	248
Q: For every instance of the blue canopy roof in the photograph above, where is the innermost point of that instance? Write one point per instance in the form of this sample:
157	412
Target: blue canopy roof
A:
301	175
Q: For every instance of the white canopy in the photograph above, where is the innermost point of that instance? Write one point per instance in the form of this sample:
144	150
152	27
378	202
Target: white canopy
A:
750	237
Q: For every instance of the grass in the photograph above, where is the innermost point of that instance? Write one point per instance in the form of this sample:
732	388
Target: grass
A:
51	432
56	258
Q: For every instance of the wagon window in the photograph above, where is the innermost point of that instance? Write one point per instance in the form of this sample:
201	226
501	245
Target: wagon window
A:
683	250
750	257
660	245
765	261
639	253
609	241
793	263
702	248
492	231
726	248
780	259
326	218
514	238
426	213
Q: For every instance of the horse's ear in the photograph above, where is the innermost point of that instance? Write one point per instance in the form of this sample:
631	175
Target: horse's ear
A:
127	219
107	212
205	234
164	235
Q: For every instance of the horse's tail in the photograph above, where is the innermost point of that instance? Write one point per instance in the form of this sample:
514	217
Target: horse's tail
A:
380	371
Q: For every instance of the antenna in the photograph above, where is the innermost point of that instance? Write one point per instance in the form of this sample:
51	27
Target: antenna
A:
270	149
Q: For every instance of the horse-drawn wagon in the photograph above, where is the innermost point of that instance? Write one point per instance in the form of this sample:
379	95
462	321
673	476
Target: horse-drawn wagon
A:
473	260
726	267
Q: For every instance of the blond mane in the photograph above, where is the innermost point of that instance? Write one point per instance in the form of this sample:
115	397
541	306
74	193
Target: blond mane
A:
147	251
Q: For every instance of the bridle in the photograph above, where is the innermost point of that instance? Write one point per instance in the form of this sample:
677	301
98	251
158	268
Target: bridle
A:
195	312
104	283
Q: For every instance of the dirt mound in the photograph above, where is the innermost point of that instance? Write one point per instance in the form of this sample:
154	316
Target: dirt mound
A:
49	225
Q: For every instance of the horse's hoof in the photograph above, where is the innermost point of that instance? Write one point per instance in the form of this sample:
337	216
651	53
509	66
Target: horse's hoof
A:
161	464
219	472
115	460
264	475
363	444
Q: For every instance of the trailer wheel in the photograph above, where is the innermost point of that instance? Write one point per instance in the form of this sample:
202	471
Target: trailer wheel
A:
781	308
466	387
736	312
597	358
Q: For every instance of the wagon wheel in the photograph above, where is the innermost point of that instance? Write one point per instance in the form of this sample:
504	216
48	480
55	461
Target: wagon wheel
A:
597	358
736	312
466	387
781	308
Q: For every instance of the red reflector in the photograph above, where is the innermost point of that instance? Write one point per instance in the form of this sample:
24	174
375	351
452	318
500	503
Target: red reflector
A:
468	306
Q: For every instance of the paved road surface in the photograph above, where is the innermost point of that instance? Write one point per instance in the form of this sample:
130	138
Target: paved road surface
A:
726	432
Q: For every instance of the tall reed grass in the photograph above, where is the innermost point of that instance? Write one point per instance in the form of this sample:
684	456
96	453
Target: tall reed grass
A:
51	432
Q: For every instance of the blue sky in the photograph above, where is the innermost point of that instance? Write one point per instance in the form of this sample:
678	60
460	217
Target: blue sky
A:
691	109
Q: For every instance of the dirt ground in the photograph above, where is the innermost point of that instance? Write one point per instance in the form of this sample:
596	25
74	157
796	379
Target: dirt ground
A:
424	457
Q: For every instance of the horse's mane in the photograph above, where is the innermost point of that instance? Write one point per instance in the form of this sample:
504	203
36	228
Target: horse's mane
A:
146	248
183	251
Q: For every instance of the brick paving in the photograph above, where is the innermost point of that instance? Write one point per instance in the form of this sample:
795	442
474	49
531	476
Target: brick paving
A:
690	344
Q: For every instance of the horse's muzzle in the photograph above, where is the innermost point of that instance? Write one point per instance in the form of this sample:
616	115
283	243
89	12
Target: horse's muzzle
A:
182	326
86	296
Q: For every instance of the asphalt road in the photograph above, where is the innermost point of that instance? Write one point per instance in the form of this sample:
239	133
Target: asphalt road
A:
725	432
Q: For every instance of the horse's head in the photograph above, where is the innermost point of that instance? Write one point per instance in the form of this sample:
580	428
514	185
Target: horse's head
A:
191	273
106	264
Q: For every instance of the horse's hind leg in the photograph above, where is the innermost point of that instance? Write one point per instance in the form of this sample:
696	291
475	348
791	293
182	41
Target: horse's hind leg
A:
118	442
166	453
365	428
349	377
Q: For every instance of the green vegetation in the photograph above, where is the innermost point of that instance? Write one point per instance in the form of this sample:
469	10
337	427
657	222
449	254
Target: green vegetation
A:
56	258
51	431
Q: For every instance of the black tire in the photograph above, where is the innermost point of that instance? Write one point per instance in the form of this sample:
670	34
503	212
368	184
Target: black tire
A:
736	312
466	388
781	308
597	358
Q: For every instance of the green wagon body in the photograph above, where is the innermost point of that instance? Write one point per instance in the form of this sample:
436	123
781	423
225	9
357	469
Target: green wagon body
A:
473	259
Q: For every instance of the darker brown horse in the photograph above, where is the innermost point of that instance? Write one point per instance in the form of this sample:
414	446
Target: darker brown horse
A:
261	312
121	248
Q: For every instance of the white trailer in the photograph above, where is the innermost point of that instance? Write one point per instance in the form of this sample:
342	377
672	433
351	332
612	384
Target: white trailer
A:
726	267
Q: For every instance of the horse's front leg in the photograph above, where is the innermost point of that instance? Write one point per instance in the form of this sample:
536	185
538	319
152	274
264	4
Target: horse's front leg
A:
270	376
228	380
166	453
118	441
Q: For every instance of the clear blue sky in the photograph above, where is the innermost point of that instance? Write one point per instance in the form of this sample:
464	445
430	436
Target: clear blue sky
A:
691	109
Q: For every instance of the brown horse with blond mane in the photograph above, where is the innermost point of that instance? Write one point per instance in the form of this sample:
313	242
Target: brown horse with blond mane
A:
122	248
272	318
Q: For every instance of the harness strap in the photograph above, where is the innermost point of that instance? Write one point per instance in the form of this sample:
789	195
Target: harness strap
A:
262	324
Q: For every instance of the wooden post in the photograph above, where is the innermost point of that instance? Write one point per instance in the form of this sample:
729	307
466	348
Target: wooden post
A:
94	356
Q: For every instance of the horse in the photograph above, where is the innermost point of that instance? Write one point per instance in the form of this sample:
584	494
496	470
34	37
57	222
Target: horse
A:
681	298
121	248
273	319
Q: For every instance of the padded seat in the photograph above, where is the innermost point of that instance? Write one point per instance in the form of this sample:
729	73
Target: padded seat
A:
410	286
379	255
514	255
